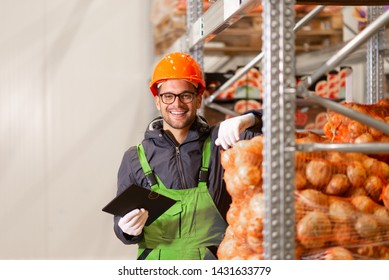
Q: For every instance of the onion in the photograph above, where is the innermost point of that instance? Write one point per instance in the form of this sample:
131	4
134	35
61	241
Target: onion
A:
233	185
338	253
385	196
300	181
314	230
364	138
373	187
355	156
232	248
367	226
318	172
355	129
257	206
338	184
227	158
240	226
384	168
341	211
371	164
356	173
313	200
254	235
356	191
233	213
364	204
376	133
299	210
382	215
249	174
344	234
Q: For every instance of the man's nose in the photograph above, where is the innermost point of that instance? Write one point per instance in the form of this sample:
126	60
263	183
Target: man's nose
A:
177	100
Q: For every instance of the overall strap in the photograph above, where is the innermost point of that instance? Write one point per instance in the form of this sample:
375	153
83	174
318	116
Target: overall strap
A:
146	166
203	174
205	158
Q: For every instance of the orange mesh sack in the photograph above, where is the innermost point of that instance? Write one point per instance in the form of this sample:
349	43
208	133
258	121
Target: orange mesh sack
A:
342	129
341	203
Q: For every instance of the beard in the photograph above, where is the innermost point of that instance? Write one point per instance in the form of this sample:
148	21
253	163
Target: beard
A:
178	121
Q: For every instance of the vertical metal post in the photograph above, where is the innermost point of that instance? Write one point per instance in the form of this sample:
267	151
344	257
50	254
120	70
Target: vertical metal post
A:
375	59
279	130
194	11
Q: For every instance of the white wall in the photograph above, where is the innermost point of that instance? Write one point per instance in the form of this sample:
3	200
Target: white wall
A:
73	98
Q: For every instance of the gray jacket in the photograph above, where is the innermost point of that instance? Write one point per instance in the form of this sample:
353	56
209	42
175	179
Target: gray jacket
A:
177	165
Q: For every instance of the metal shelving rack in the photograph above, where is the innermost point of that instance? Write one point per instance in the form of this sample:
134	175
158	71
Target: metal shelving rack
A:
279	104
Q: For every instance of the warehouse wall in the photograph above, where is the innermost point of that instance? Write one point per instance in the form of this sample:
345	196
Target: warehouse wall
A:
73	97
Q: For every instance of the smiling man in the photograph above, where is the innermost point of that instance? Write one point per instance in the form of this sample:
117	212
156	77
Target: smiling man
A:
178	101
180	158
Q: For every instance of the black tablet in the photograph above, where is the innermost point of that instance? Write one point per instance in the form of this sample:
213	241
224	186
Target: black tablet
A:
137	197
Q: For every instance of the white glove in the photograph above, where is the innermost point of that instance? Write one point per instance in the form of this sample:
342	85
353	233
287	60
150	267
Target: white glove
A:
230	129
133	222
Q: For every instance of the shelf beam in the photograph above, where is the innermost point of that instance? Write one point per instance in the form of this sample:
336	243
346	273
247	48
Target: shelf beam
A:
349	48
344	2
218	17
259	57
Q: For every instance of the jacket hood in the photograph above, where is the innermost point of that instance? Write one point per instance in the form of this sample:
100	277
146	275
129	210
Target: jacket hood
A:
198	128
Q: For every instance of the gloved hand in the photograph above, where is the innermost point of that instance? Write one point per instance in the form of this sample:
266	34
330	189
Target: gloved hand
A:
230	129
133	222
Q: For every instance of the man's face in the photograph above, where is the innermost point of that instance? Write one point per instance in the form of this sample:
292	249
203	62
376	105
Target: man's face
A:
178	115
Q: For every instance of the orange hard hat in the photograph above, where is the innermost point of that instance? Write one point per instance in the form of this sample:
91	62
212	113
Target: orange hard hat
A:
177	65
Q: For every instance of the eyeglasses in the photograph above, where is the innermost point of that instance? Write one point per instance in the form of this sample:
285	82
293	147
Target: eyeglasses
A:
185	97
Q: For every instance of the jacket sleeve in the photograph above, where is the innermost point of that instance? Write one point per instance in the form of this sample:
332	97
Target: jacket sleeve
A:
257	127
125	179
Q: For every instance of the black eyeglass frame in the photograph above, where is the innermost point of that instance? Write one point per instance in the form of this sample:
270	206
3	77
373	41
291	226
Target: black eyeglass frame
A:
192	94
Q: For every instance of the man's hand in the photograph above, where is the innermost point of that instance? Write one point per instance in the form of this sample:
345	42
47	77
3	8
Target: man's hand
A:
230	130
133	222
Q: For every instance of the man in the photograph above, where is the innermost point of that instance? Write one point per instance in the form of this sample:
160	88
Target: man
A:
183	153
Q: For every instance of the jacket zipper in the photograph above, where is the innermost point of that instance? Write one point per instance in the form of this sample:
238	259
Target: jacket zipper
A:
180	169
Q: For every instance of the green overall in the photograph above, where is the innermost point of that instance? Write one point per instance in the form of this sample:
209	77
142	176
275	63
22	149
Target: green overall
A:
190	226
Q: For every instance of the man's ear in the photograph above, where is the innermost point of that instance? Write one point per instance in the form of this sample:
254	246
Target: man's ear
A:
199	100
157	100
